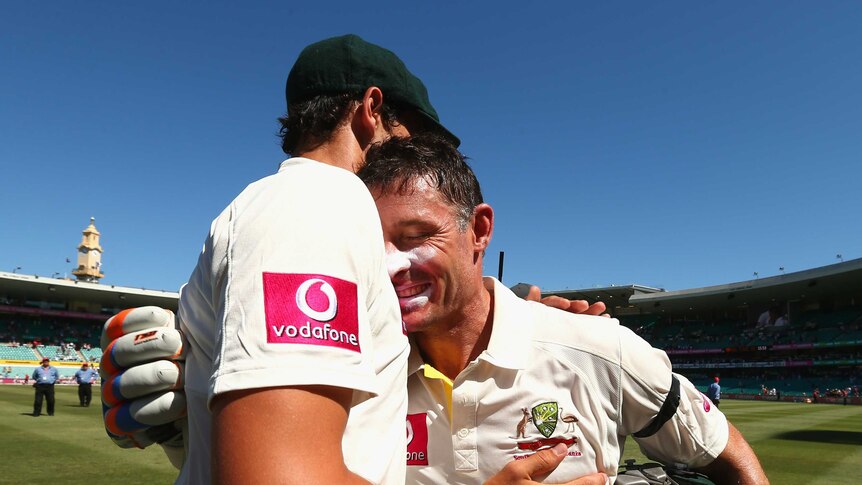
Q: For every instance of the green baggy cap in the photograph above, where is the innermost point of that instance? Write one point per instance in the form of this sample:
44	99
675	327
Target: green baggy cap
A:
349	64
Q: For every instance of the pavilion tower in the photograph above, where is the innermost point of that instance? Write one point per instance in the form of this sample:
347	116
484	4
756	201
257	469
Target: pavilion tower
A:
89	255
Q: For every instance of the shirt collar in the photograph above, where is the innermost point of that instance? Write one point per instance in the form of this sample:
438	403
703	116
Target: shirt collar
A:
512	326
414	362
293	161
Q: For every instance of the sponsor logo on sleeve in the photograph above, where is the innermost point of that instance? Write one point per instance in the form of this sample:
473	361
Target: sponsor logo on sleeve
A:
417	439
311	309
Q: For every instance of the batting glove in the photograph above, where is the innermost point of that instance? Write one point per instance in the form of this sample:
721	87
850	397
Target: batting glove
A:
142	381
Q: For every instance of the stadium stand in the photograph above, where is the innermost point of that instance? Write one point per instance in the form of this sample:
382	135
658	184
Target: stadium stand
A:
60	352
8	352
92	355
790	335
60	319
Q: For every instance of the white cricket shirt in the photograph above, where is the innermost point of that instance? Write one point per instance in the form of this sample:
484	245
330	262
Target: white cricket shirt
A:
546	377
292	289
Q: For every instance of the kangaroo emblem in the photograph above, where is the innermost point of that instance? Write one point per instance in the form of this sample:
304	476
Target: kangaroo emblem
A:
522	425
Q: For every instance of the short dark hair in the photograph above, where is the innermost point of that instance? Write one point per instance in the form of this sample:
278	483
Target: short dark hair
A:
393	166
310	123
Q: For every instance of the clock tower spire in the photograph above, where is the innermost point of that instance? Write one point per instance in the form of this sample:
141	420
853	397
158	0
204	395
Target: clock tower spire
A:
89	255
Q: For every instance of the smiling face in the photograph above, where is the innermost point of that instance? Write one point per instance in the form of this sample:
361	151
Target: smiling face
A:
430	256
436	227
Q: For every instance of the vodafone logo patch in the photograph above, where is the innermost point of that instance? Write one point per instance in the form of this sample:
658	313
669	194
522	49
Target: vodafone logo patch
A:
417	439
706	403
310	309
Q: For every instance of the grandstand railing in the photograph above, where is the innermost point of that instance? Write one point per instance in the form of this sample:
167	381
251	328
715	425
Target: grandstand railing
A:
764	364
753	348
22	310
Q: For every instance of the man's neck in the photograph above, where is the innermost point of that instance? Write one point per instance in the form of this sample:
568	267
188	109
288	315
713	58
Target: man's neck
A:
340	151
452	348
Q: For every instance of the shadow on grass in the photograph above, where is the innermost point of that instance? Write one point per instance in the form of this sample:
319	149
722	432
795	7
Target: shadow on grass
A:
823	436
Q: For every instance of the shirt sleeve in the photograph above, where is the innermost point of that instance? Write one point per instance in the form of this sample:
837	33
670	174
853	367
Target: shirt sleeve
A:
696	432
294	266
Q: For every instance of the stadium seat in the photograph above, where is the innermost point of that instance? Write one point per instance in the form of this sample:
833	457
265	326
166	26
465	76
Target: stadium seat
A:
17	353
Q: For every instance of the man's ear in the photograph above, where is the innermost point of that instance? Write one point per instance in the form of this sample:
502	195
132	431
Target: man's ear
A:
366	118
483	227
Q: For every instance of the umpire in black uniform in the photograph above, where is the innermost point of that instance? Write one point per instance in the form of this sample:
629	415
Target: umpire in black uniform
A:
44	378
84	378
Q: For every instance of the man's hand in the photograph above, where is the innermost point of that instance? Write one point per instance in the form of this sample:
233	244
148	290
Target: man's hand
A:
573	306
538	466
141	368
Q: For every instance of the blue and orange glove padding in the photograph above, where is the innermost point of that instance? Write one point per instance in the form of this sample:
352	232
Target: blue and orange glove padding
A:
132	383
131	420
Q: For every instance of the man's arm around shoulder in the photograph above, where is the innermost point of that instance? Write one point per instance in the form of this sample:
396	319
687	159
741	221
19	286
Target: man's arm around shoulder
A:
286	435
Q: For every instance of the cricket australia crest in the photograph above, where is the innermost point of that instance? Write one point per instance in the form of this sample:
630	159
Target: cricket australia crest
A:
545	417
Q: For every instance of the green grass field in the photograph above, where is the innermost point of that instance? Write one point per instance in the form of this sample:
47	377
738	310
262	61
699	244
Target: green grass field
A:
797	443
69	447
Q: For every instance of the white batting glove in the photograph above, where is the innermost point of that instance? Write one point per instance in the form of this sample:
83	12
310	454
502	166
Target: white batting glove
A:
142	381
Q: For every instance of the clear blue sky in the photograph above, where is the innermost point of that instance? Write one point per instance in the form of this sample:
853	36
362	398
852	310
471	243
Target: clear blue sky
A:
671	144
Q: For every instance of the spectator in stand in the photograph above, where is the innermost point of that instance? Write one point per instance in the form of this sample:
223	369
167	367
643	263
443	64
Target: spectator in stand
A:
768	318
763	319
714	392
45	377
84	377
781	320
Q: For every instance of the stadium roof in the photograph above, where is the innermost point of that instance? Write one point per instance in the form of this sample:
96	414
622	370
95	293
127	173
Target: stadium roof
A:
834	279
34	287
607	293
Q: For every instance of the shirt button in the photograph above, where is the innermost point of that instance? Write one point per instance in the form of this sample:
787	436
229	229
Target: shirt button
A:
463	432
